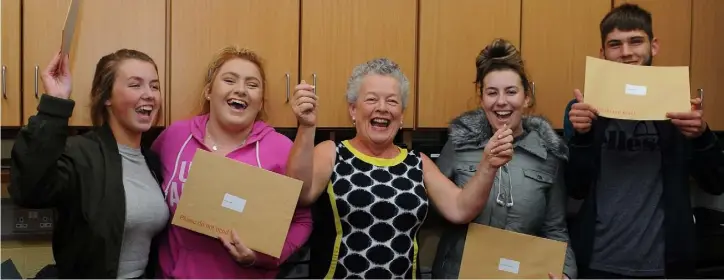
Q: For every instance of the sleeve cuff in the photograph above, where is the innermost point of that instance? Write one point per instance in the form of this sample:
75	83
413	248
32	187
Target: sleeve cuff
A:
56	107
705	141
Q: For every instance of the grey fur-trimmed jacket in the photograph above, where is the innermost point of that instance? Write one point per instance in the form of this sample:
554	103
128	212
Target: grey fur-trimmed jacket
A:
535	202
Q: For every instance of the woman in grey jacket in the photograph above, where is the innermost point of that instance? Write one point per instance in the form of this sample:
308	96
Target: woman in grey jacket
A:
528	195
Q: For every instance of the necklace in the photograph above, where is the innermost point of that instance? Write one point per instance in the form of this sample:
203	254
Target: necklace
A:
215	148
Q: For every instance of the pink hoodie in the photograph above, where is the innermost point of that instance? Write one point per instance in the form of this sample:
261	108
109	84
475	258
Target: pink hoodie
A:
187	254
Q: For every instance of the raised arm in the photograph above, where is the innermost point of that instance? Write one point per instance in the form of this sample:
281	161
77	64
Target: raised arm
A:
312	165
41	173
581	162
460	206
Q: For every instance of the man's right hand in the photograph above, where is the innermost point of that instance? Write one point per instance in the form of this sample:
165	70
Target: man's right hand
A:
56	77
582	114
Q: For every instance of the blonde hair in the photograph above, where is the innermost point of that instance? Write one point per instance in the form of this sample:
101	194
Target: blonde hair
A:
226	54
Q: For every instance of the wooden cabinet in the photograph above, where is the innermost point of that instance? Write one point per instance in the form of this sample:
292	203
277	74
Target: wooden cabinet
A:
672	27
707	58
337	35
10	62
452	34
200	28
103	27
557	36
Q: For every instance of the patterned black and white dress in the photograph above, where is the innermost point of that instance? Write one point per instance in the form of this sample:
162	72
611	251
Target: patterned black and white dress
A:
367	220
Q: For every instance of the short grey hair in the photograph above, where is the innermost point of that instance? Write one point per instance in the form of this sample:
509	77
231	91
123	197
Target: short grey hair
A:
378	66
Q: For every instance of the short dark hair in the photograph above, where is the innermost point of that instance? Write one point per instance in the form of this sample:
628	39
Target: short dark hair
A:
626	17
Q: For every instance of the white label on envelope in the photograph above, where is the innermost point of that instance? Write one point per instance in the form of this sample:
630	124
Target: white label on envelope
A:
509	265
233	202
635	90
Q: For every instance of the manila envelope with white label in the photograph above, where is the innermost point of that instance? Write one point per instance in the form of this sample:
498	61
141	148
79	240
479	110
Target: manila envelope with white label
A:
633	92
221	194
496	253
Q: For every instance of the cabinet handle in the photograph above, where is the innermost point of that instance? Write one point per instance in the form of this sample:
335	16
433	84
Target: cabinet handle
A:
314	82
36	81
288	81
5	83
701	96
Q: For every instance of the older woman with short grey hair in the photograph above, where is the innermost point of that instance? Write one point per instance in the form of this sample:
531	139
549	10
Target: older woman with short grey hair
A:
371	195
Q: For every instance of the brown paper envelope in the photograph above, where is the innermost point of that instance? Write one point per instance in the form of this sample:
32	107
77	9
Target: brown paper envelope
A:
632	92
69	27
221	194
495	253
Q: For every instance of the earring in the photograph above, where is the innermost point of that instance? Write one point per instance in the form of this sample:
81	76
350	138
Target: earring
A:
401	125
354	122
208	97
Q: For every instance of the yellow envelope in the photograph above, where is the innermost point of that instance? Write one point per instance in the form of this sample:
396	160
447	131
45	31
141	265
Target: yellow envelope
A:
221	194
632	92
496	253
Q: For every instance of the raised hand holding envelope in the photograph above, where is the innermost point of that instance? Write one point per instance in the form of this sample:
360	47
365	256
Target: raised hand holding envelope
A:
633	92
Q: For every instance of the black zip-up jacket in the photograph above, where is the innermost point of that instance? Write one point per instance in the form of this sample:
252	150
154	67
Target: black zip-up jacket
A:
701	158
81	177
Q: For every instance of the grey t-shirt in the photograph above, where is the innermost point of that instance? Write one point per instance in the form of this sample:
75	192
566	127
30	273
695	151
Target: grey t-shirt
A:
146	213
629	237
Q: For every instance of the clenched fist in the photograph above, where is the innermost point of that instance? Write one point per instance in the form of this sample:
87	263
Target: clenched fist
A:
582	114
499	149
304	104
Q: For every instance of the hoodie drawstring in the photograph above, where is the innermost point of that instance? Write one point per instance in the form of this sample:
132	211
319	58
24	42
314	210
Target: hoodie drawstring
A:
510	190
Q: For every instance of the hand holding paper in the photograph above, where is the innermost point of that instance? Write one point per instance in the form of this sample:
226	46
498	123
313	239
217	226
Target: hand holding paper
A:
238	250
691	123
56	77
581	114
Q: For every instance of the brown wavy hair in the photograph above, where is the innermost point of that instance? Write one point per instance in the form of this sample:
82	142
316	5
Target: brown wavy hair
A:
499	55
104	78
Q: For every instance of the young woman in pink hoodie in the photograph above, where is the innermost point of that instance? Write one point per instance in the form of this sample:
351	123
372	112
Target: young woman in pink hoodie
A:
230	124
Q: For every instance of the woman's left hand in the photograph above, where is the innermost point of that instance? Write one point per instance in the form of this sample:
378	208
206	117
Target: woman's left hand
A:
242	254
551	276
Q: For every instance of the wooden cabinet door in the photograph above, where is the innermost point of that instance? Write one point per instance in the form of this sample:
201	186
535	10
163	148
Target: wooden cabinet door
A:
672	27
337	35
452	34
103	27
10	62
707	58
201	28
557	36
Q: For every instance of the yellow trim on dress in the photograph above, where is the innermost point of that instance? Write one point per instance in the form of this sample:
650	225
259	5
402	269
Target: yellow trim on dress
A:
338	227
414	258
375	160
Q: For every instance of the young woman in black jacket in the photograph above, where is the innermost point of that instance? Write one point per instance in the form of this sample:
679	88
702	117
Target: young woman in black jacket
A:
103	184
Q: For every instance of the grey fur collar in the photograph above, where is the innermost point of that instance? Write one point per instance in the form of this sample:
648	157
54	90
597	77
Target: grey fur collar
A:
471	130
